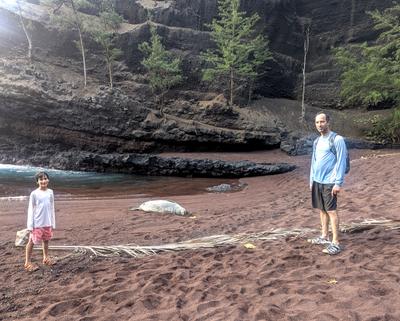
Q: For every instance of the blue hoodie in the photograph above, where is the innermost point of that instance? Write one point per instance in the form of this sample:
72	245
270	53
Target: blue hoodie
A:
326	168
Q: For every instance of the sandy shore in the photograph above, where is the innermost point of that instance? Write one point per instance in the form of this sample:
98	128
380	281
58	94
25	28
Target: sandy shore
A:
285	279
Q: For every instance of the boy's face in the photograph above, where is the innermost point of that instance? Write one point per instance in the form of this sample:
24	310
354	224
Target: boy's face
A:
43	181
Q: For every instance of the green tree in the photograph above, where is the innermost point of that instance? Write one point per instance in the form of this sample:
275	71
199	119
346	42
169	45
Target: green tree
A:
103	32
239	50
71	18
370	72
163	68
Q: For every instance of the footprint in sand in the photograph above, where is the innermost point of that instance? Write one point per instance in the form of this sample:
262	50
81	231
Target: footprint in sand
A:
151	302
59	309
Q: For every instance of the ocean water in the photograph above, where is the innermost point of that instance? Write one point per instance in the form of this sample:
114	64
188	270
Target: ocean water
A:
16	183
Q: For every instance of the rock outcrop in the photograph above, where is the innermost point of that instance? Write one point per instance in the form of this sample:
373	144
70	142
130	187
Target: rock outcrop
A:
34	110
147	164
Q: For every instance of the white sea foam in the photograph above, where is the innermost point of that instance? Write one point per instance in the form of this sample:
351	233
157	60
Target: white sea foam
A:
35	169
13	198
9	166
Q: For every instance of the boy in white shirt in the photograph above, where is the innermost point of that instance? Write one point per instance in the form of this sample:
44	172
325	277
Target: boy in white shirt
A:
41	221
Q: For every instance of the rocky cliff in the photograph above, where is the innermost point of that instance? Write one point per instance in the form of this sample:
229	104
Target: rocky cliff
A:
43	104
183	25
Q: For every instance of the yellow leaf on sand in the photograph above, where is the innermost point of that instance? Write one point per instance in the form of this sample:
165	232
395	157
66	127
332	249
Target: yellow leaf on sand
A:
332	281
193	216
249	246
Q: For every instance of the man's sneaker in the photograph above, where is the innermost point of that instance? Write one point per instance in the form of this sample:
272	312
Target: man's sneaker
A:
332	249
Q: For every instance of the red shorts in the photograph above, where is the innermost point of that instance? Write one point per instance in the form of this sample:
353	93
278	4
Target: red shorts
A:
41	234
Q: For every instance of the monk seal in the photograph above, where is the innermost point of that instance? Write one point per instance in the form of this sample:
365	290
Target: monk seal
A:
161	206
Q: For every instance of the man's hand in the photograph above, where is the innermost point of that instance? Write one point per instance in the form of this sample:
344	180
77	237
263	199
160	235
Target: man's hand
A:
336	190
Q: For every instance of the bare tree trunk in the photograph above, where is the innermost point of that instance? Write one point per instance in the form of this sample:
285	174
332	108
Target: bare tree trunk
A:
78	26
28	37
353	9
83	57
109	65
231	87
251	82
110	74
162	103
306	47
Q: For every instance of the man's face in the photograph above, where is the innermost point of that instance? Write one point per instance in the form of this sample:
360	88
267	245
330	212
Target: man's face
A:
321	124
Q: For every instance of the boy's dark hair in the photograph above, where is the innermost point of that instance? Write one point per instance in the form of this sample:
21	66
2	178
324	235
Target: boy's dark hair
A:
327	117
41	175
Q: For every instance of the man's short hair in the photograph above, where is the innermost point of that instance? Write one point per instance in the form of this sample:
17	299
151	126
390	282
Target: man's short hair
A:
41	175
327	117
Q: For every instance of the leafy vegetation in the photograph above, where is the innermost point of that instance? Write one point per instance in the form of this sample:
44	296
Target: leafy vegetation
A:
239	51
385	129
370	73
162	67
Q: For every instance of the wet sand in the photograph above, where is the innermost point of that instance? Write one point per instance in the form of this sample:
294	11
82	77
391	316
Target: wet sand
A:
285	279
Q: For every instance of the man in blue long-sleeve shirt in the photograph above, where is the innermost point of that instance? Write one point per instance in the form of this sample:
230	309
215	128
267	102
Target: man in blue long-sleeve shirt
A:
328	167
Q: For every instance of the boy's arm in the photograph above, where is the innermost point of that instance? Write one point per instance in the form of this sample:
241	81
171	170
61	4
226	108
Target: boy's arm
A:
53	218
29	221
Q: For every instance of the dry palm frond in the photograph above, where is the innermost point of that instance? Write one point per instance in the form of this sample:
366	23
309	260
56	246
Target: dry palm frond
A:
380	155
368	224
200	243
217	240
137	251
277	233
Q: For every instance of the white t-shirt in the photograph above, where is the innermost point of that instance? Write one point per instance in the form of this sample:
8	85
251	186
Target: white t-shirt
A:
41	209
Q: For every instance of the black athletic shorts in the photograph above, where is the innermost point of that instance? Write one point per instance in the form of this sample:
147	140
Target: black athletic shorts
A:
322	198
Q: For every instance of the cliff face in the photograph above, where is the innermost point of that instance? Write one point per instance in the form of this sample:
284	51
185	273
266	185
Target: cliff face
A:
183	26
37	114
332	23
43	104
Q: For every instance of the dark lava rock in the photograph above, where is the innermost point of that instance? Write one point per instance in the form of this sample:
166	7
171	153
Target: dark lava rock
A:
172	166
146	164
224	188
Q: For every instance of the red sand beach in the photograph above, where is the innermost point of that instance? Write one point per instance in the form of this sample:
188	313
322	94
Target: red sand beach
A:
284	279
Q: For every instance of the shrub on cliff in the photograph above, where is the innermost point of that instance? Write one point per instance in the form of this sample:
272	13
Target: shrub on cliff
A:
103	32
386	129
163	69
239	50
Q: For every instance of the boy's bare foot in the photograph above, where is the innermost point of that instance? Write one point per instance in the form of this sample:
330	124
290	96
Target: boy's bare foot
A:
30	267
48	261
